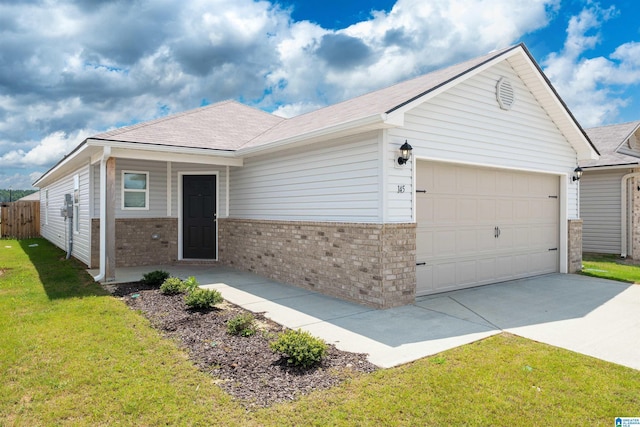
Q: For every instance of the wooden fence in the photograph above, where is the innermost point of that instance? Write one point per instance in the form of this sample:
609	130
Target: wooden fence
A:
20	220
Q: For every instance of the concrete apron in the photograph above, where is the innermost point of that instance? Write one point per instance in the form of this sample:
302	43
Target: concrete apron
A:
596	317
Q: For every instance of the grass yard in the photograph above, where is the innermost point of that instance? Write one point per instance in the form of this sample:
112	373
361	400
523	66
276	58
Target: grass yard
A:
608	266
72	355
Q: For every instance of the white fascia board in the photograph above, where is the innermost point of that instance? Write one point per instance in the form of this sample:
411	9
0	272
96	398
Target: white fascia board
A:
165	153
374	121
610	167
454	82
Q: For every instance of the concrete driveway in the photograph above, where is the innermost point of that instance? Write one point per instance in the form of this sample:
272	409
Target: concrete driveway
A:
596	317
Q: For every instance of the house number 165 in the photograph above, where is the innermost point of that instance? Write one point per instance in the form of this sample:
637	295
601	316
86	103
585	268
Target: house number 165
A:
400	188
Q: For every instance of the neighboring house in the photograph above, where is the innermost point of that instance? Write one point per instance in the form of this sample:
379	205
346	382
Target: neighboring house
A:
321	200
610	191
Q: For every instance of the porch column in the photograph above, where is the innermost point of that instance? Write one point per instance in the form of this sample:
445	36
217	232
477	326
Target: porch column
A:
110	220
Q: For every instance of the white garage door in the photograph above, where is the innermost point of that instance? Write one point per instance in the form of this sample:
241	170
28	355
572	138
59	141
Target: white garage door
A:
481	225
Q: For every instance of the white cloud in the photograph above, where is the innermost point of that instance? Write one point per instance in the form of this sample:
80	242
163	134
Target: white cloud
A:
47	151
75	65
591	86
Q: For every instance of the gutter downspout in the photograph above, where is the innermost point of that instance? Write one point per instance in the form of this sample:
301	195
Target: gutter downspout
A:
103	214
625	209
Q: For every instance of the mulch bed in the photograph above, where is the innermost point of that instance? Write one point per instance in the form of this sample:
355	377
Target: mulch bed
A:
245	367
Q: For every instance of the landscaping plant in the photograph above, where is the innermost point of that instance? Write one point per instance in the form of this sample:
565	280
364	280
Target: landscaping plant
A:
242	324
300	347
190	284
202	299
172	286
155	278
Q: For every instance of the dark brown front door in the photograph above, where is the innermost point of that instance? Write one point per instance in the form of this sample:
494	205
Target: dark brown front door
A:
199	216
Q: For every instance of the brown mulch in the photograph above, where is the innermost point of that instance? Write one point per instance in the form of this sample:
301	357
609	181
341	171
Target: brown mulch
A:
245	367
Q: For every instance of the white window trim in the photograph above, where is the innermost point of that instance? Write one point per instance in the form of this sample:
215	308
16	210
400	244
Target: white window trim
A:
146	191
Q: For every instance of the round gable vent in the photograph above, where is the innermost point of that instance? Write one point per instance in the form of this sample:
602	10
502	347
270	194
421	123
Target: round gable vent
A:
505	94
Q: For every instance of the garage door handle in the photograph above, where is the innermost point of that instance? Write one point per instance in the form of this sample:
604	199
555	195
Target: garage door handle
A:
496	232
421	263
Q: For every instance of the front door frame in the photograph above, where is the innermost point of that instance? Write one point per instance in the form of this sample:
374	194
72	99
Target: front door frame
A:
181	209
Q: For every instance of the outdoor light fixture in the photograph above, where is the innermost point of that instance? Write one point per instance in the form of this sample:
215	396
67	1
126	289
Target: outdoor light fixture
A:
405	153
578	174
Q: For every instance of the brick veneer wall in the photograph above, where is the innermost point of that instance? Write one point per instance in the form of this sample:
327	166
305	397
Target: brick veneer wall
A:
134	244
575	245
371	264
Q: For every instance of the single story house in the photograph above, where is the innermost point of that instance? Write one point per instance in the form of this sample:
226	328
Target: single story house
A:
329	200
610	191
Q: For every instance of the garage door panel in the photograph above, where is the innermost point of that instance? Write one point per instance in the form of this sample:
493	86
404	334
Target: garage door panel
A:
466	273
467	241
424	209
486	211
457	238
444	210
504	210
444	276
445	242
486	270
426	248
466	211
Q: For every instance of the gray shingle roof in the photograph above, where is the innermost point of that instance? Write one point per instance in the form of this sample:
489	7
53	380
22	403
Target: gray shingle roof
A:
378	102
230	125
225	125
608	139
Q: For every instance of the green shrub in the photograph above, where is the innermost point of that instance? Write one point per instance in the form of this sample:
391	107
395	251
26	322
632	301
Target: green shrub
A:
155	278
301	348
203	299
190	284
242	324
172	286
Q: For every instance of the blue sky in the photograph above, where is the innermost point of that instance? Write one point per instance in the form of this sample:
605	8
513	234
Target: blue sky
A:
73	68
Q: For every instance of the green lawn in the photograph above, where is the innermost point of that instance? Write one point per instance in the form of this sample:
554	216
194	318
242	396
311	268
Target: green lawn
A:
72	355
610	267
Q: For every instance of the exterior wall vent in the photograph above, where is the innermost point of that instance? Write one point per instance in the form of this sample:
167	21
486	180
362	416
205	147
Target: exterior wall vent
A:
505	94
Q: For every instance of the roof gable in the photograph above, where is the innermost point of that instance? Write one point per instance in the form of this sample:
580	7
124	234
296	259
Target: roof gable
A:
380	103
613	143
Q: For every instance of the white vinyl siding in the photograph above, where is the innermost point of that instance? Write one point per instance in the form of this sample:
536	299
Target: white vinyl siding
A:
157	187
465	124
600	194
337	181
57	229
192	169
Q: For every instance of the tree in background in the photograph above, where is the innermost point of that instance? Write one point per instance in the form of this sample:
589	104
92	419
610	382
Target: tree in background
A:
14	194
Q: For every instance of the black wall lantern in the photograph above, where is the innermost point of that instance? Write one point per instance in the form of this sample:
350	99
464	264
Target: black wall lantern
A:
578	174
405	153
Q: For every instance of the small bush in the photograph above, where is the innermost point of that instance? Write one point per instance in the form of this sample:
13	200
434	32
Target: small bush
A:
190	284
155	278
172	286
301	348
203	299
242	324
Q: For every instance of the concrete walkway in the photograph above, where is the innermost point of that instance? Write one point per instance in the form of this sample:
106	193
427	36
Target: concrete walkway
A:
596	317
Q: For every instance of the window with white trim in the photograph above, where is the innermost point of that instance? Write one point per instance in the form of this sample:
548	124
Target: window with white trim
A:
135	190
